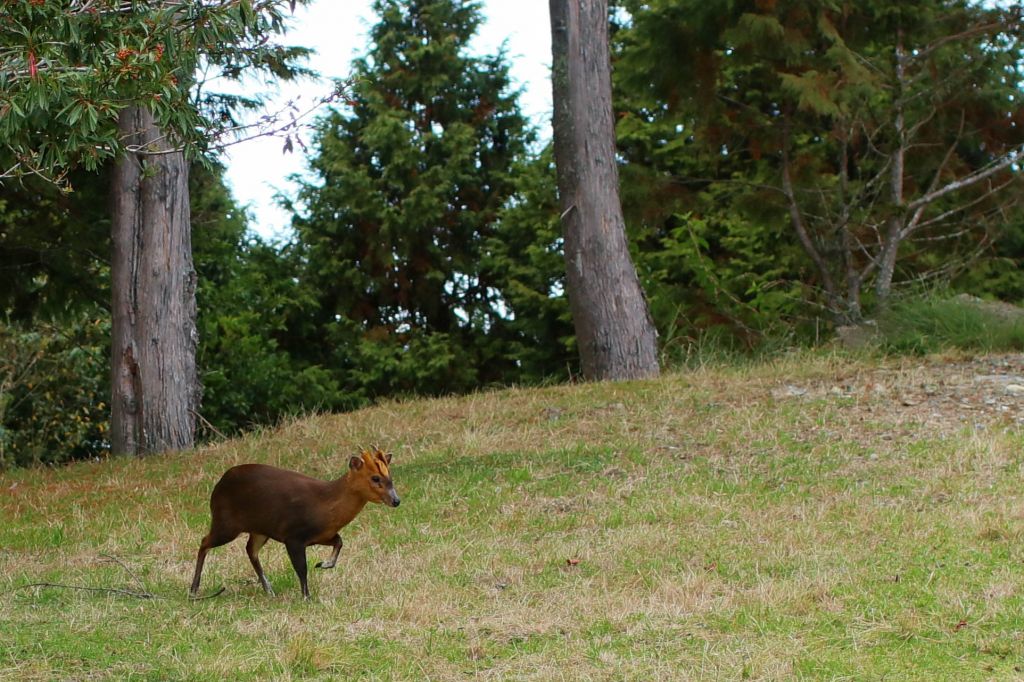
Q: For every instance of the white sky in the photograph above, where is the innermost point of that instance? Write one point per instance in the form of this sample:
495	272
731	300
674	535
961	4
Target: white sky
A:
336	29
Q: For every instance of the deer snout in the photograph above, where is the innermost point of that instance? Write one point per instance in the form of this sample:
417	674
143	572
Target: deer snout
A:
394	500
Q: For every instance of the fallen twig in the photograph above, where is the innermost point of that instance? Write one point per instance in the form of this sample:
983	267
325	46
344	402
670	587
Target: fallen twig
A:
207	424
112	590
127	570
209	596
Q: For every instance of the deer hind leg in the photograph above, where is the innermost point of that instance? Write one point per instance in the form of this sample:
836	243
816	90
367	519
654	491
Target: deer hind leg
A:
332	562
211	540
252	548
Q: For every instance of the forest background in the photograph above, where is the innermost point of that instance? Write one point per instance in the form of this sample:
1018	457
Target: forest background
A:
786	168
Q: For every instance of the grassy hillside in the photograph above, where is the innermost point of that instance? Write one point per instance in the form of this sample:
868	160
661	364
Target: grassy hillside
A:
815	518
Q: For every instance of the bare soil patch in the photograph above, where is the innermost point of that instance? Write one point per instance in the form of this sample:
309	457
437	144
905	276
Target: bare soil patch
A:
942	394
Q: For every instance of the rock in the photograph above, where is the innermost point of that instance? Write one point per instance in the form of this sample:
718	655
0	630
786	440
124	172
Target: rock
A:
879	389
998	379
788	391
552	413
1000	309
857	336
1014	389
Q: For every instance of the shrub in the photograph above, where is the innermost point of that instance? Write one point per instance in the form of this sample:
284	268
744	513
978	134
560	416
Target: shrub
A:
54	390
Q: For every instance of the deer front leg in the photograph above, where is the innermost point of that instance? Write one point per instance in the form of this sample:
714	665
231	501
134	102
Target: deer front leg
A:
330	563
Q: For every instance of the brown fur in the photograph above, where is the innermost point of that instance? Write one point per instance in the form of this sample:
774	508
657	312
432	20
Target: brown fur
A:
271	503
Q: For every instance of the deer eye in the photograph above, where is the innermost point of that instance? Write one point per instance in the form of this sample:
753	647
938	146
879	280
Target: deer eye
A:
375	479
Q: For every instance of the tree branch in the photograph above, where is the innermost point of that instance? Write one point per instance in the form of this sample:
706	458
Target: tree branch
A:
969	33
798	222
1008	159
942	216
912	224
127	570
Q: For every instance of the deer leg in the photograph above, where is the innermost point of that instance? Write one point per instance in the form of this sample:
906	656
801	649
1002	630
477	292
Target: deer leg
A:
210	541
297	553
330	563
252	548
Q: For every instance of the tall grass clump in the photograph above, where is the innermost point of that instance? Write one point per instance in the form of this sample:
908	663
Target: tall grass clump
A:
932	323
720	346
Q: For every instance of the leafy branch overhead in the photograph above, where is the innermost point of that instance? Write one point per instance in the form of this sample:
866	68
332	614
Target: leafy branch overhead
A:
67	69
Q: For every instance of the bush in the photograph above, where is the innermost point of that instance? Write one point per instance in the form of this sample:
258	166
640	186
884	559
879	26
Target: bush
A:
54	391
248	380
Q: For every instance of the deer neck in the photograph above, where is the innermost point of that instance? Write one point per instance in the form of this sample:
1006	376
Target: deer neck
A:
345	503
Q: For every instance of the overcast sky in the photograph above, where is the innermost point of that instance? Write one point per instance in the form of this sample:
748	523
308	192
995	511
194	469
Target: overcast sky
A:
337	30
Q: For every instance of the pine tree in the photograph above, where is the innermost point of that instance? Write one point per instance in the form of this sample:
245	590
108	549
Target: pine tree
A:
409	187
525	260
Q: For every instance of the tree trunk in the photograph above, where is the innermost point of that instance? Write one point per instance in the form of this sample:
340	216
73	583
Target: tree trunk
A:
614	331
154	382
894	225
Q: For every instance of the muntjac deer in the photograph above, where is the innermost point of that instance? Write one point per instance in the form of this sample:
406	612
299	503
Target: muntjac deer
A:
294	509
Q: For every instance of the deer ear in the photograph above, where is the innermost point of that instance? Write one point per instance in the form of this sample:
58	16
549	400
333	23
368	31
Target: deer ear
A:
387	458
355	463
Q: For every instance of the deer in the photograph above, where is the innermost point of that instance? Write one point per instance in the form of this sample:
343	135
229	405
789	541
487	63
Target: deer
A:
296	510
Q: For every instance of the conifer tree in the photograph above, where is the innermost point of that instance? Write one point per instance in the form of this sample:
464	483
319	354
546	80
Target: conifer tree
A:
877	138
408	188
525	258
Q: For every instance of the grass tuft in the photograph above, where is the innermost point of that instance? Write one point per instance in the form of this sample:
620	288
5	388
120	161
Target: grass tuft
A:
933	324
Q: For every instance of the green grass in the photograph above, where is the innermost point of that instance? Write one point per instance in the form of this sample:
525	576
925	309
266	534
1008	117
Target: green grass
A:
936	322
714	532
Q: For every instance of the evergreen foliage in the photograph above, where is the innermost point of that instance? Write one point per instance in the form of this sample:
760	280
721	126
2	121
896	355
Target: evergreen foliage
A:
53	247
409	191
247	289
428	250
524	257
54	390
866	109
